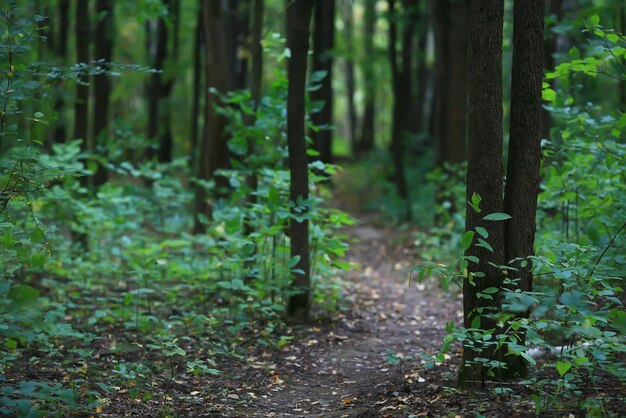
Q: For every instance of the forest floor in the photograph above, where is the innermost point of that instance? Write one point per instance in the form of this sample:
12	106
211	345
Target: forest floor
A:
365	361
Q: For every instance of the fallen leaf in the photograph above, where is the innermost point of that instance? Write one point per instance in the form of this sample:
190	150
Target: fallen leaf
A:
276	380
347	401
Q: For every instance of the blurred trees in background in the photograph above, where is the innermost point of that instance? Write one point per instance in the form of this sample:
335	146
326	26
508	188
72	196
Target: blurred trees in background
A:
168	162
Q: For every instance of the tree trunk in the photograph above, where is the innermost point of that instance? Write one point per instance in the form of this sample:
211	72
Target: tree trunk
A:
366	142
421	81
81	104
451	76
103	39
255	73
348	18
161	84
401	71
240	31
198	48
484	172
524	160
298	21
550	48
323	42
214	150
60	44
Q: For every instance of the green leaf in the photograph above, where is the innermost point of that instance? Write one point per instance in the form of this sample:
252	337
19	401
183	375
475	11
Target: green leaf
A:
574	53
39	115
484	244
475	202
528	358
491	290
476	322
466	240
22	296
563	366
594	20
548	95
482	232
497	217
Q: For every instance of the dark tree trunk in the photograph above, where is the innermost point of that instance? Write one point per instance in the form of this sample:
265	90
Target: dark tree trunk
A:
240	30
622	85
550	48
451	31
60	44
255	73
103	40
323	42
348	18
81	105
298	21
198	52
401	79
166	147
157	51
485	170
214	150
421	81
161	84
366	142
524	160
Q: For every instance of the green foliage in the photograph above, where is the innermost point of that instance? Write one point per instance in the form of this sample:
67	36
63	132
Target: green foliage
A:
113	272
573	320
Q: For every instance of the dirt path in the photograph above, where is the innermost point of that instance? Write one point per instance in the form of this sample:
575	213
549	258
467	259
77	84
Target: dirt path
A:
343	370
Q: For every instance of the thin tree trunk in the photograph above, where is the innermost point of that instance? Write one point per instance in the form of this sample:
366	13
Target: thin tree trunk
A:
484	172
550	48
60	129
161	85
157	51
348	15
366	142
421	81
298	21
214	150
451	57
198	52
81	104
400	70
103	39
524	160
255	73
323	42
451	30
166	139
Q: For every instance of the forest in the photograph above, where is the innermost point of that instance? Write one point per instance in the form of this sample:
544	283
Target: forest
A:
333	208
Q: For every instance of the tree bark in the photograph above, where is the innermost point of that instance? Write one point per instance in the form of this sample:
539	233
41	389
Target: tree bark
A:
81	104
524	160
550	48
60	44
366	141
401	79
255	73
348	18
298	22
451	74
198	52
103	40
214	150
323	42
484	172
162	83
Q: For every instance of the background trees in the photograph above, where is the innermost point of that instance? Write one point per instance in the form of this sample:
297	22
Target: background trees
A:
188	143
